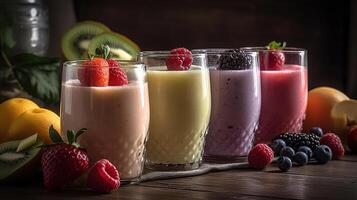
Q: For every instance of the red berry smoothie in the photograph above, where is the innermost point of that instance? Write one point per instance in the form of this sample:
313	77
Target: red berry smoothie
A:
284	99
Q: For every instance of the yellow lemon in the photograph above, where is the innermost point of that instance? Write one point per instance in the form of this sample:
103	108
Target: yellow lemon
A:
320	102
10	110
33	121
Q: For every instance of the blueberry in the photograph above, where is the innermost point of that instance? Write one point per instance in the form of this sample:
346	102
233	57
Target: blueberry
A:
306	150
277	145
288	152
301	158
317	131
284	163
323	154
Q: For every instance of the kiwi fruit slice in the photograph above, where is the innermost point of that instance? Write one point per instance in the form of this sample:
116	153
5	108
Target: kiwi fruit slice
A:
76	40
121	47
19	164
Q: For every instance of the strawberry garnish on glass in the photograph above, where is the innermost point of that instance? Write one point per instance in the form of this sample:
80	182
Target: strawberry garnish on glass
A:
101	70
272	58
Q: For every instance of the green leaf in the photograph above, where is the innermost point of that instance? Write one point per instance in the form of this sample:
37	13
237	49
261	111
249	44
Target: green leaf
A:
70	136
9	40
79	133
39	76
55	136
276	45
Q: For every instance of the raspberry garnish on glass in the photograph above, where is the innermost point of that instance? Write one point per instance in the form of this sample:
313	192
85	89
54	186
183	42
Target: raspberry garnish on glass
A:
179	59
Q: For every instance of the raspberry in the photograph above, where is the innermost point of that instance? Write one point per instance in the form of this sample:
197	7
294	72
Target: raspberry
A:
103	177
179	59
334	142
260	156
117	75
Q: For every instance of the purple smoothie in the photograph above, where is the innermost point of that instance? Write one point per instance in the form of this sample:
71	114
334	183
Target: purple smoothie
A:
235	113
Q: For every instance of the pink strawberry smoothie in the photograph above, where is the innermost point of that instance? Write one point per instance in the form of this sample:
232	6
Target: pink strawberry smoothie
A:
117	119
284	99
235	114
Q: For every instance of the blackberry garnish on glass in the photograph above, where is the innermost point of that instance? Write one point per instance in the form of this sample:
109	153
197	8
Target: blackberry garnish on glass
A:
235	59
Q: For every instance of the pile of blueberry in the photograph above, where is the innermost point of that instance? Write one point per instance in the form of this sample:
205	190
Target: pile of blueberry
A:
301	149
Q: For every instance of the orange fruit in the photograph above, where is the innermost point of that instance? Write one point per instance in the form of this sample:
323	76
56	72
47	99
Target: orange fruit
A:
10	110
319	105
33	121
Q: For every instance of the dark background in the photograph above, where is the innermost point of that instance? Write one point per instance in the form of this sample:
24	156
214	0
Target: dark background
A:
327	29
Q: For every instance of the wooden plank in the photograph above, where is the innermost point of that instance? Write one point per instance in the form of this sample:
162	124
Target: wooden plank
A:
335	180
132	192
314	181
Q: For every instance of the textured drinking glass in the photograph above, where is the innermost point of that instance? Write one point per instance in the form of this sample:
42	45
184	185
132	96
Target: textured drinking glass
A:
235	108
180	105
117	117
284	93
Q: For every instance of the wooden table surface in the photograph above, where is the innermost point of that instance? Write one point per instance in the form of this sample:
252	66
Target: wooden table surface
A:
335	180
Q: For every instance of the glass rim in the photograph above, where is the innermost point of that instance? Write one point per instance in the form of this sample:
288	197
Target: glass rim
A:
125	64
214	51
165	53
284	50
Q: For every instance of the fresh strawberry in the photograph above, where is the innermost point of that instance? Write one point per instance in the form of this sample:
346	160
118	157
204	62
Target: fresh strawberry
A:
179	59
63	162
260	156
272	58
352	140
103	177
334	142
117	75
94	72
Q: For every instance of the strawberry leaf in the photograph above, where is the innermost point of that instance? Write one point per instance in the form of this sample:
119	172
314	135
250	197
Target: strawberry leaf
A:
70	136
79	133
103	52
55	136
273	45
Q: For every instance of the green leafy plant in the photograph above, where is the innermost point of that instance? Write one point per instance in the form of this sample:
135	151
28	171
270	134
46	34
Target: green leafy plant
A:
34	75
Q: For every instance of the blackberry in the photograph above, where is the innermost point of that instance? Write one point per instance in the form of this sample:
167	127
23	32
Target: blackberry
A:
235	59
296	140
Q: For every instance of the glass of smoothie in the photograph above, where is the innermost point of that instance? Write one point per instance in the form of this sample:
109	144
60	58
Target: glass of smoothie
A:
235	88
180	105
284	88
113	104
